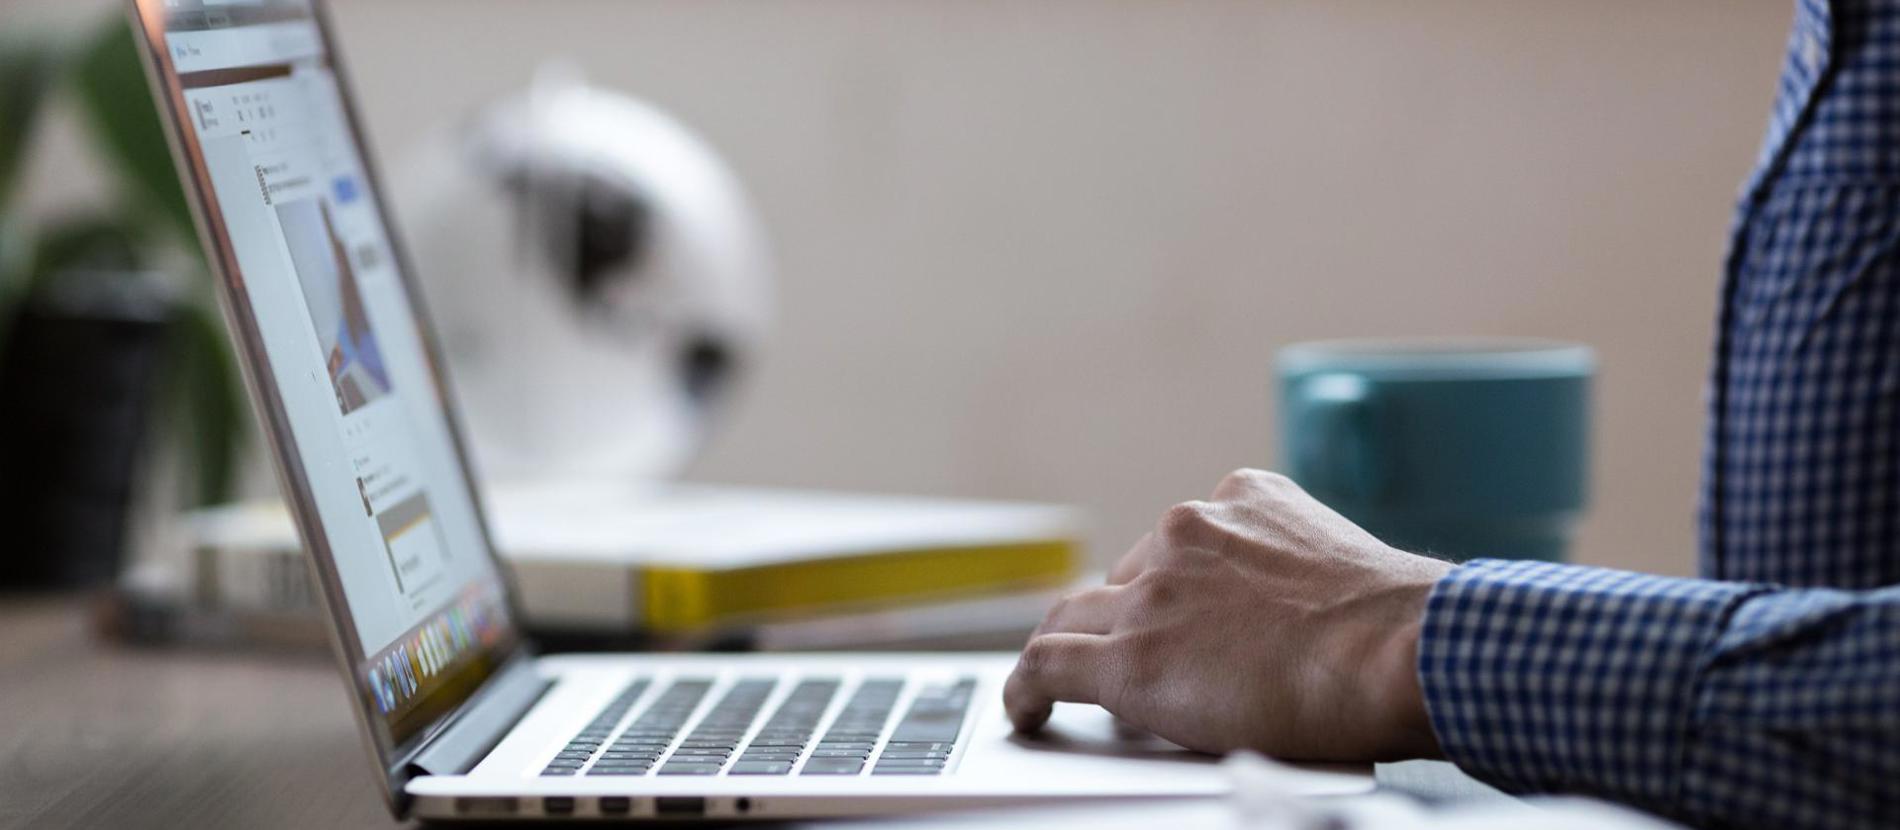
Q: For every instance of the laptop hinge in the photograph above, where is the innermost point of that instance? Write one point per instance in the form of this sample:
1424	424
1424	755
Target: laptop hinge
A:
468	738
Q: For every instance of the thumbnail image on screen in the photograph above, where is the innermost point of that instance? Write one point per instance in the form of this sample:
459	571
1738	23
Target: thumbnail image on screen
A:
335	300
414	543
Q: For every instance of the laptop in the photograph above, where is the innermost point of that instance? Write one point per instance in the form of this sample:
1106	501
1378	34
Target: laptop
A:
463	718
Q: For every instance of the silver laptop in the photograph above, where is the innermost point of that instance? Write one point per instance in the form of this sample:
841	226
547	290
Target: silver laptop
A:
463	719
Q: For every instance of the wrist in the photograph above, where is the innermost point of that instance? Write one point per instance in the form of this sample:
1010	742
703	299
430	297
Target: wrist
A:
1398	693
1403	700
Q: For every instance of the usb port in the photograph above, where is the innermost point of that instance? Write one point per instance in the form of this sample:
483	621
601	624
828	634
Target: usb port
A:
679	805
615	805
558	805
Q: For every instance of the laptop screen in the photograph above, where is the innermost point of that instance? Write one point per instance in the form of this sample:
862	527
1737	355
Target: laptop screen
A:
340	362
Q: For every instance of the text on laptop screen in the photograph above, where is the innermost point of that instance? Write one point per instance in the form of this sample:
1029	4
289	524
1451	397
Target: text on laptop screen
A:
310	262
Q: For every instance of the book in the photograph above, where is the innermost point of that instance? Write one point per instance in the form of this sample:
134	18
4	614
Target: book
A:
151	611
684	562
997	622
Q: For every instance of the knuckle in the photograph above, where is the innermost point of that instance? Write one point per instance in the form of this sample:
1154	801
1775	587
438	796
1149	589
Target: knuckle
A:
1187	519
1061	604
1252	478
1158	590
1036	658
1241	477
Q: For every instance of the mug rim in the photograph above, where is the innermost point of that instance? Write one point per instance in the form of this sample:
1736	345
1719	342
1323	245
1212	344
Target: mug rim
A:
1452	355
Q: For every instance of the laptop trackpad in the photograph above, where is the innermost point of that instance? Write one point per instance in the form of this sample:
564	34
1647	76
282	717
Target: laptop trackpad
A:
1091	732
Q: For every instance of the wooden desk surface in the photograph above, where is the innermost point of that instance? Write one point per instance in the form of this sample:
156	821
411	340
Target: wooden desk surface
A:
102	735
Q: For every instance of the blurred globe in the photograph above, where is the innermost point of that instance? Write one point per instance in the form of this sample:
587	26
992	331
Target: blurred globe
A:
599	279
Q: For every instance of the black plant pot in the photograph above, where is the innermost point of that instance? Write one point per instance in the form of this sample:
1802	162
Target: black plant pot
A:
78	377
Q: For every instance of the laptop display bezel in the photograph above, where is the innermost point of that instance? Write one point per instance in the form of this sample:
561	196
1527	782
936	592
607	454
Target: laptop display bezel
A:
393	759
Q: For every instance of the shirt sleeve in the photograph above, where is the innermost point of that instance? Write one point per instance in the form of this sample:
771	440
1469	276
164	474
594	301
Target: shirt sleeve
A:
1718	703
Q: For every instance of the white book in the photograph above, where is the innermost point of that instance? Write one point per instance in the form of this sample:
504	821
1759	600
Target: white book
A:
684	559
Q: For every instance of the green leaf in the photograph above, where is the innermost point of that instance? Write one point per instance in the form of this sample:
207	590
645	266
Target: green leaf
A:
87	242
14	246
210	409
28	66
112	89
15	258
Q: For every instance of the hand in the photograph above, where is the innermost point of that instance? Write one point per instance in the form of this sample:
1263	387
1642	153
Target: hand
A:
1258	620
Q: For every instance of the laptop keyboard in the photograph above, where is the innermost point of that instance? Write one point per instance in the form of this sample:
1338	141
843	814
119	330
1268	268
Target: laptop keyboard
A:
705	751
587	743
777	747
854	733
920	744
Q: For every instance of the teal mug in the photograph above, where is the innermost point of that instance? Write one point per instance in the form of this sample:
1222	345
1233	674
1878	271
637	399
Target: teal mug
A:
1459	448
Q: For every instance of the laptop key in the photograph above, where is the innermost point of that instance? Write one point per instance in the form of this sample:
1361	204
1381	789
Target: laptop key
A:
690	769
761	768
912	762
940	746
832	766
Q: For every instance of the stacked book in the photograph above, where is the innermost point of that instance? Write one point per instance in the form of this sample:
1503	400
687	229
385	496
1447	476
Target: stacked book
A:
679	566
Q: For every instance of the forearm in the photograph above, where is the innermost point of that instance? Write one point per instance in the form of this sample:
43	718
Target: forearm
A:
1720	703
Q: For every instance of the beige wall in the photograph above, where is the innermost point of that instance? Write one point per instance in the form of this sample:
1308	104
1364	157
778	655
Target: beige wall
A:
1046	249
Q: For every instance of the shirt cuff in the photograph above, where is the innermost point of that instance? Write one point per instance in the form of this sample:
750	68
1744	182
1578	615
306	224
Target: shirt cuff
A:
1541	677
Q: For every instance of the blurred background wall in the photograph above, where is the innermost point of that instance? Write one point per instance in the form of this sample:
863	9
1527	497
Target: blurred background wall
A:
1046	250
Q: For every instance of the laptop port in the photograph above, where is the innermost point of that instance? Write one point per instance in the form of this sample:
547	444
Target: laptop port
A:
615	805
679	805
743	804
558	805
485	806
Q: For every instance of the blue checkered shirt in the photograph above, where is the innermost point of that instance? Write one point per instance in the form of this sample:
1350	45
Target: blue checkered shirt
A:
1767	695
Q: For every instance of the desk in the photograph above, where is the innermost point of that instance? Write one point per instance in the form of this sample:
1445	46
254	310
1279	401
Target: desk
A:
102	735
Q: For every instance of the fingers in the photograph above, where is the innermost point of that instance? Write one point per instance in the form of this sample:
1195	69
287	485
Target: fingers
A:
1061	667
1133	562
1093	611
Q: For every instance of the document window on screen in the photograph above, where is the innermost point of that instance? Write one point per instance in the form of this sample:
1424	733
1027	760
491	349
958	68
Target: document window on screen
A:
343	349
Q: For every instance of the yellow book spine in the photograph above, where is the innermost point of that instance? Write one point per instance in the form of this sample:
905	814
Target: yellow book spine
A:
684	599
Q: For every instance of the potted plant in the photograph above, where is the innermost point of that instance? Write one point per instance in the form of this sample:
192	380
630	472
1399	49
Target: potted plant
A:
109	336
